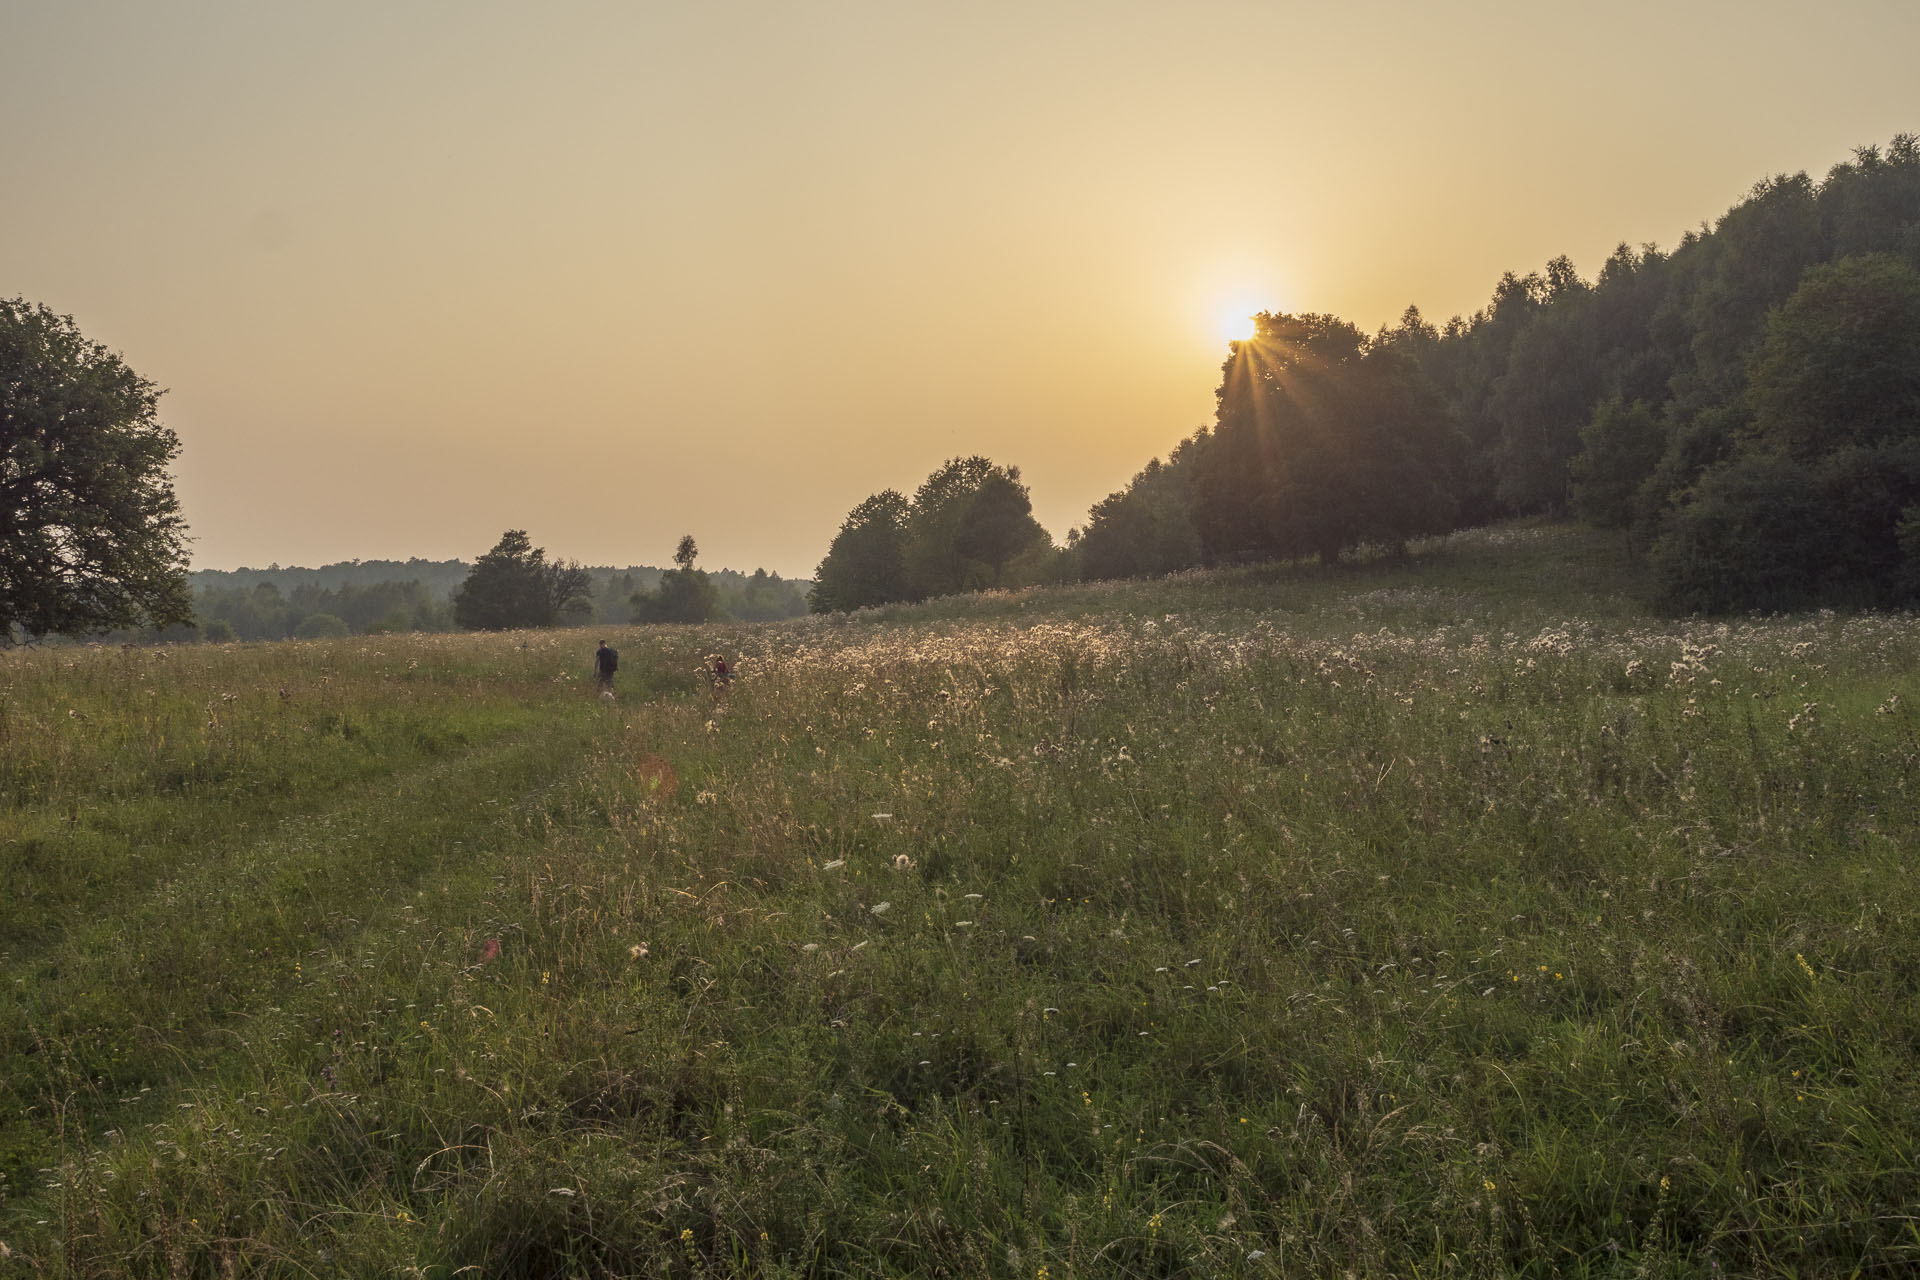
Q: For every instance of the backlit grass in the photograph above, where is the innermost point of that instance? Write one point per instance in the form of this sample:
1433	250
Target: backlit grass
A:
1446	918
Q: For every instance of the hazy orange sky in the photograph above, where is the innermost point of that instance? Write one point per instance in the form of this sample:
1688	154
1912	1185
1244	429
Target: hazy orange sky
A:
417	273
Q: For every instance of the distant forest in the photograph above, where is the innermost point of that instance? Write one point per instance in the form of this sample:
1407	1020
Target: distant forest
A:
1744	408
367	597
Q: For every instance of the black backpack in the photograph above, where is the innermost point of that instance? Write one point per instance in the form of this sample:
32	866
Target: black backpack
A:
611	663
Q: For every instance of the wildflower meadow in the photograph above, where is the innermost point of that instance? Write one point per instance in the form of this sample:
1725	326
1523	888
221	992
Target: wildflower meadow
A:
1439	917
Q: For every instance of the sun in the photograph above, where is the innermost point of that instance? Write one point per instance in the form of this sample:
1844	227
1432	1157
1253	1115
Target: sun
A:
1236	327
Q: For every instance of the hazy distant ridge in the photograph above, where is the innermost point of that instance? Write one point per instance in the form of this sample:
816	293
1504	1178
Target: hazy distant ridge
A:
439	577
363	596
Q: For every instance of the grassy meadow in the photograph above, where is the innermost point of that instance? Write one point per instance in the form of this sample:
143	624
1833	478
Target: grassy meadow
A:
1440	918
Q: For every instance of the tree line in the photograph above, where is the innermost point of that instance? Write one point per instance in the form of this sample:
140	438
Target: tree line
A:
292	603
264	612
515	585
1745	408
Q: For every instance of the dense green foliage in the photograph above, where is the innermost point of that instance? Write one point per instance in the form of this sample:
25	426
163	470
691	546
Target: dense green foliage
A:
1621	447
513	585
969	527
867	562
263	613
377	596
1805	505
90	532
685	594
1146	529
439	578
1742	404
758	596
1442	917
1323	441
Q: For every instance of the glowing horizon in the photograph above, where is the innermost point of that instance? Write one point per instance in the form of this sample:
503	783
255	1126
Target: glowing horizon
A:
611	274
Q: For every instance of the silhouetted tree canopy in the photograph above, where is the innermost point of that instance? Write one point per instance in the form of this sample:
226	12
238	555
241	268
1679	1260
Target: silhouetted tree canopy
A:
866	564
969	526
685	594
513	585
90	532
998	523
1323	441
1744	405
1146	530
1548	391
967	521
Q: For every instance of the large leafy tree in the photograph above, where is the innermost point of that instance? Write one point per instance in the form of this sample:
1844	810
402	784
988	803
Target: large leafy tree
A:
90	531
1840	363
1629	302
1466	365
1274	482
998	523
514	585
969	519
866	563
969	526
1413	464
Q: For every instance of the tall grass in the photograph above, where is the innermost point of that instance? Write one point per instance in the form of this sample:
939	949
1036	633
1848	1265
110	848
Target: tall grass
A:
1408	921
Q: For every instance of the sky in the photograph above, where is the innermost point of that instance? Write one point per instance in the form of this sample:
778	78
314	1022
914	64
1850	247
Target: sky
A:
414	274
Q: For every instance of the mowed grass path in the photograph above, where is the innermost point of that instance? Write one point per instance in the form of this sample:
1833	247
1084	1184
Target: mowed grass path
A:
1445	918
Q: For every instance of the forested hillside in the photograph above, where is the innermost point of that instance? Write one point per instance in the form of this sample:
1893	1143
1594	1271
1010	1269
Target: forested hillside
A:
1744	407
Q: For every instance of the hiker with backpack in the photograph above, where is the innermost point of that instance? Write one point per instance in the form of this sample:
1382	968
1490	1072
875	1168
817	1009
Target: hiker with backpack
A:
606	661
